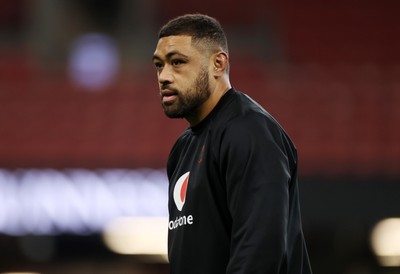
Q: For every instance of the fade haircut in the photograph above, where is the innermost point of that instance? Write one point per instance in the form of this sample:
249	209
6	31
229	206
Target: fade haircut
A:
202	29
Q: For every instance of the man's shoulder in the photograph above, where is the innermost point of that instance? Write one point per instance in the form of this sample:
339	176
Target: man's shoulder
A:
245	120
244	112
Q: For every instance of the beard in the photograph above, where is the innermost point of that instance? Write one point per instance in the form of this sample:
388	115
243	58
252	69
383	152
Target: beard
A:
188	102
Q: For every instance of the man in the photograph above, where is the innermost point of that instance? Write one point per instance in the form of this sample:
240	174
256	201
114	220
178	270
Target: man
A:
233	196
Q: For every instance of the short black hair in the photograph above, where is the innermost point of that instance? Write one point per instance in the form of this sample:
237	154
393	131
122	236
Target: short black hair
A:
202	28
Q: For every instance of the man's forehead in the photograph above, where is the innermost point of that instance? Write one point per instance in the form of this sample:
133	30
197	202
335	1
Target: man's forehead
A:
174	43
186	39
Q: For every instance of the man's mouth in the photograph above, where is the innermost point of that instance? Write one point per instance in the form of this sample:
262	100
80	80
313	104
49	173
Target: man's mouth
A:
167	95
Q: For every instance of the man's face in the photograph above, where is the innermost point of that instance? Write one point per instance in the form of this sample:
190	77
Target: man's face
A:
183	76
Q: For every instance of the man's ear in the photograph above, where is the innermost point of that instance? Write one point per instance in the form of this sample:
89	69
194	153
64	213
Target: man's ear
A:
221	63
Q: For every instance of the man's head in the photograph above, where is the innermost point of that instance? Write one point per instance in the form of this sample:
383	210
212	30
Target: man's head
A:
192	66
204	30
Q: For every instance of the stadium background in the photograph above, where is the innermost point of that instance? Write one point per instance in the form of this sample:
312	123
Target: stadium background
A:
329	72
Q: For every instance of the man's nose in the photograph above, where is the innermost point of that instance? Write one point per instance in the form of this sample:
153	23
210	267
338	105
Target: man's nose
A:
166	75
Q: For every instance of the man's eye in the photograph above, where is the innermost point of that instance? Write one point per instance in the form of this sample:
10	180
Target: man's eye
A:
177	62
158	65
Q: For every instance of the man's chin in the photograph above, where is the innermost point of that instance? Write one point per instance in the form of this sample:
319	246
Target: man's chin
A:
172	113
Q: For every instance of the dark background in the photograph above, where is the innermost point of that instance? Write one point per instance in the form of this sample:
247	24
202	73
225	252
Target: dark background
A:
328	71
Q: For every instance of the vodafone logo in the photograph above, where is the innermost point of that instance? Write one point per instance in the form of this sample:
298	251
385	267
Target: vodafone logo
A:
179	199
180	190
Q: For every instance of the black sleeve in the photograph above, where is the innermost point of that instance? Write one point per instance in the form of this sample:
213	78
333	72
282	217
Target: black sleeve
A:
257	176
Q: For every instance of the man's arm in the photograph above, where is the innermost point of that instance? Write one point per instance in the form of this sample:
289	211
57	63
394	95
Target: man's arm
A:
257	180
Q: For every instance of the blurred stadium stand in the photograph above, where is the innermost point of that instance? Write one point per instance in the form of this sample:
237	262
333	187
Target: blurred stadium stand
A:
329	72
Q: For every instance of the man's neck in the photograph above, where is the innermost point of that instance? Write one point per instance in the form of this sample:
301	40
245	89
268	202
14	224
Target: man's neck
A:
205	109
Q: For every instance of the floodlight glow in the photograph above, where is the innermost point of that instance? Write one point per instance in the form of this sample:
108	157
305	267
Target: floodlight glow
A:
94	61
77	201
140	236
385	241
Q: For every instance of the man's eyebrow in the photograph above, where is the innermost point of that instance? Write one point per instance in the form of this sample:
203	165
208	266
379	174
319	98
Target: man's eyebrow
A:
156	58
169	55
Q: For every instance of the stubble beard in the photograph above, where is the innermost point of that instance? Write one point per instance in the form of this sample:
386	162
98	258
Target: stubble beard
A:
188	103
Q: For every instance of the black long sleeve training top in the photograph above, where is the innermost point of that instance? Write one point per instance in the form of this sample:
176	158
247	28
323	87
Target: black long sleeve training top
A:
233	195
